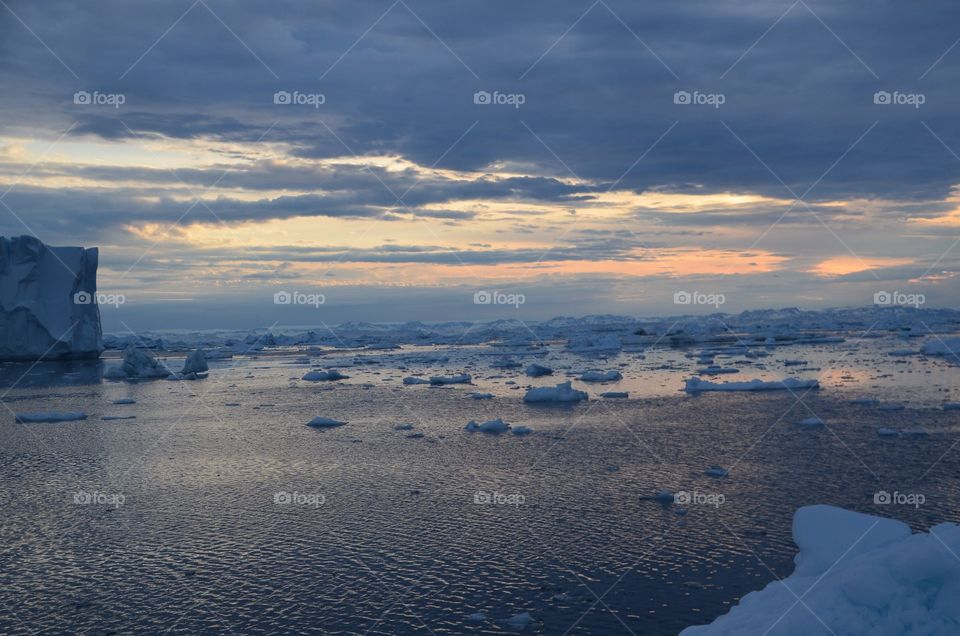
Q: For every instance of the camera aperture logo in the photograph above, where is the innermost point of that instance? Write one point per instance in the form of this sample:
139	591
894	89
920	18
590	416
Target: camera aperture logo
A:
296	98
896	98
97	498
98	298
496	98
498	298
496	498
299	298
884	498
284	498
696	98
96	98
697	498
698	298
898	299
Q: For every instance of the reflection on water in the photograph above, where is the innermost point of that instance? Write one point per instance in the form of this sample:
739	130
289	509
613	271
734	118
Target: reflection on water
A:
217	509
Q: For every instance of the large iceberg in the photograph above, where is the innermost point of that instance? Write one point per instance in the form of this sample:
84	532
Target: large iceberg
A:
855	574
48	304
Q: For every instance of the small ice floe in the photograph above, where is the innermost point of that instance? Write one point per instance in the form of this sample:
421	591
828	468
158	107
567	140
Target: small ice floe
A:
563	392
716	471
865	401
413	380
794	363
680	511
914	433
111	418
891	407
125	401
665	497
951	406
615	394
717	370
462	378
330	375
811	422
477	617
403	427
137	365
696	385
492	426
519	622
481	396
51	416
324	422
601	376
521	430
902	352
888	432
538	370
414	435
506	364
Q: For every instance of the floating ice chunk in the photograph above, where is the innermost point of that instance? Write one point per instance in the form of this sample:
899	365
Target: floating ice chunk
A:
415	435
125	401
811	422
110	418
324	422
601	376
716	370
941	347
413	380
538	370
492	426
891	407
477	617
324	376
521	430
951	406
462	378
716	471
561	393
914	432
696	385
615	394
403	427
52	416
481	396
138	365
888	432
195	363
519	622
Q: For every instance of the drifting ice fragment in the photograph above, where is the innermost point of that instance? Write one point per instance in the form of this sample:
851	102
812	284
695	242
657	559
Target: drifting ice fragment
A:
561	393
324	422
696	385
53	416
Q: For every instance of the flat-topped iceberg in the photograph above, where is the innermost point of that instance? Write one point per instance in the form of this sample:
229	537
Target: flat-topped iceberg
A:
563	392
696	385
856	574
48	305
601	376
462	378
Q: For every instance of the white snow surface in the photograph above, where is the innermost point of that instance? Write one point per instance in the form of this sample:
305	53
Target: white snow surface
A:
47	301
858	574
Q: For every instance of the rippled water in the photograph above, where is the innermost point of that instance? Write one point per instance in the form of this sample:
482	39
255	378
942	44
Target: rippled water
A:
193	532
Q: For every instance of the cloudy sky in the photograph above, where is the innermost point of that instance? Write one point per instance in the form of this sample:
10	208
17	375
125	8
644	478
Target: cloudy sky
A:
398	157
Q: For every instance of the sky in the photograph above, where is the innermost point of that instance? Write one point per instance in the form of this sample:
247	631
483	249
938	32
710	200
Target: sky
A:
245	164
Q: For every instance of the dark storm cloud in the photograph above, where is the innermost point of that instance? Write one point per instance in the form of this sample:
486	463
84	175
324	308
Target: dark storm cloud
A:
800	100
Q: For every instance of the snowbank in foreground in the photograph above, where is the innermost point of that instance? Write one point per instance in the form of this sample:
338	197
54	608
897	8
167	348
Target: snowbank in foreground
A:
856	574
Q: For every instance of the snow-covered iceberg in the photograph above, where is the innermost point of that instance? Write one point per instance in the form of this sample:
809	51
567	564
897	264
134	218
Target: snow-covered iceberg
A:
855	574
137	365
696	385
48	303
